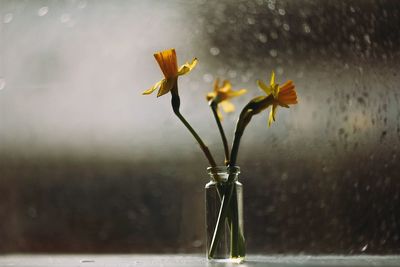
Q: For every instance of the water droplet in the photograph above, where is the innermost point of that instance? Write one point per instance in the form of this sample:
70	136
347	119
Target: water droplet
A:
262	37
82	4
245	78
8	18
251	21
197	243
367	39
306	28
286	27
281	11
2	83
300	74
71	23
352	9
271	6
279	70
277	22
221	71
65	18
232	74
214	51
273	52
210	29
43	11
274	35
208	78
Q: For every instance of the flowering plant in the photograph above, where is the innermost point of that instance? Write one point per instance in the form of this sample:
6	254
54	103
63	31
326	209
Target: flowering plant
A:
275	95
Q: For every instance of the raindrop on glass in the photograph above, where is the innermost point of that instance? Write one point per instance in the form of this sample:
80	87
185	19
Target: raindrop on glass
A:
214	51
197	243
232	74
2	83
262	37
281	11
43	11
273	52
306	28
251	21
271	6
8	18
274	35
210	29
208	78
82	4
221	71
300	74
286	27
279	70
65	18
367	39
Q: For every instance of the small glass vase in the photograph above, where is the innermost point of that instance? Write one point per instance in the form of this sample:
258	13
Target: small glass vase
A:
227	244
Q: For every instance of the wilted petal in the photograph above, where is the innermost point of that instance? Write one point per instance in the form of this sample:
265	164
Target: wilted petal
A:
223	93
227	106
153	88
187	67
272	82
272	114
226	87
267	89
166	86
211	95
237	93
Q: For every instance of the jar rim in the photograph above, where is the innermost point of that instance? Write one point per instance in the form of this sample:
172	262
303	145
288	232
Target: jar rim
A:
223	169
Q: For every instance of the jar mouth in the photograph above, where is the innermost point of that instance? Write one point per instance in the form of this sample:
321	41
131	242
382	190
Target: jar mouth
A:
223	170
221	173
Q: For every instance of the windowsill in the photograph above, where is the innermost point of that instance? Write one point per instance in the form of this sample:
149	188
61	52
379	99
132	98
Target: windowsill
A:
176	260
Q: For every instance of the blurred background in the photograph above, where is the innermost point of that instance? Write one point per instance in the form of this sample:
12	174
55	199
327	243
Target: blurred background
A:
88	164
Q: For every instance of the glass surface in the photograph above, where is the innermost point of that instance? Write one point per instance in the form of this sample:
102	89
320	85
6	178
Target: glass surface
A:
214	191
89	165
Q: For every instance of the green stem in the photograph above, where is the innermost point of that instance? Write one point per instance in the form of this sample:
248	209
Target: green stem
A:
175	101
247	113
244	119
214	107
221	220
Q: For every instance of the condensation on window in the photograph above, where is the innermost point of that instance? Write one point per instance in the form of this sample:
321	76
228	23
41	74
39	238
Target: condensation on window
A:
88	159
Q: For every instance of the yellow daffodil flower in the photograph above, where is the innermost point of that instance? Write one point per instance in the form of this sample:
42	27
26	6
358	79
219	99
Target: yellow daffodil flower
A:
284	95
222	94
169	66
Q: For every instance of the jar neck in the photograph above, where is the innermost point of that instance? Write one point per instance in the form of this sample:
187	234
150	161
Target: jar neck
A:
220	174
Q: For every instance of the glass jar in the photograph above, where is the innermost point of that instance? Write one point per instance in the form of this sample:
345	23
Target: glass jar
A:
226	243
